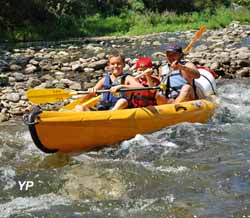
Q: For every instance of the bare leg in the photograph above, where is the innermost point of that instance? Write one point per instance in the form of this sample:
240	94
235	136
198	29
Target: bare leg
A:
161	99
121	104
186	94
81	108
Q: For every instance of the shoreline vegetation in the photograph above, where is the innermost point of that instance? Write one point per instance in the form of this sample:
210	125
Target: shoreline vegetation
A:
140	21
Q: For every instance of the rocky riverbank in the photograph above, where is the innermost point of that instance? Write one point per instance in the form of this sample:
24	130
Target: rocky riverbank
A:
78	67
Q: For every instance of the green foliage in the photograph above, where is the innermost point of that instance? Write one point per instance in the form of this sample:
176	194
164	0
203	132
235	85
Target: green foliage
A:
136	5
98	26
245	3
54	19
211	5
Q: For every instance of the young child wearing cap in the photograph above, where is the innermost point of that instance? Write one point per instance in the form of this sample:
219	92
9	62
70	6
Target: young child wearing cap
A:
178	75
146	78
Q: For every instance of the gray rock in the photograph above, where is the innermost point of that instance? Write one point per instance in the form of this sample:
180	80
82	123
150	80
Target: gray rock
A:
98	64
214	66
15	67
19	77
66	69
34	62
14	97
75	86
59	75
244	72
156	43
33	82
77	67
46	77
89	70
4	117
30	69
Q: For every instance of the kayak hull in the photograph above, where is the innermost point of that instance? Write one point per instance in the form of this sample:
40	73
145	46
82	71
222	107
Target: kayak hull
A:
55	131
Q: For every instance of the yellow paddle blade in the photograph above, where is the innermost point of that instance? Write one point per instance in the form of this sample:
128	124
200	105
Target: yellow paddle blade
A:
195	38
81	101
39	96
93	101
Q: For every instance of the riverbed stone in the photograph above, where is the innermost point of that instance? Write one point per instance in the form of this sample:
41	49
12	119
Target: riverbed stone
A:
33	82
4	117
88	70
75	86
244	72
14	97
77	67
30	69
15	67
19	77
98	64
59	75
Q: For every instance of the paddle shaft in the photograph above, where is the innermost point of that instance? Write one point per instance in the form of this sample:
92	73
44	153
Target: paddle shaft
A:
195	38
120	90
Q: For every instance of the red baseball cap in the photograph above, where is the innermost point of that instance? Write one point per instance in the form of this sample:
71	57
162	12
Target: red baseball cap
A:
144	62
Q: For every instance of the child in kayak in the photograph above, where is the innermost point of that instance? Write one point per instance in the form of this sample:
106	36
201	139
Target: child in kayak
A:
146	78
115	80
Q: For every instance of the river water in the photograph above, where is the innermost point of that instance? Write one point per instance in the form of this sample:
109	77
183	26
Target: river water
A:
188	170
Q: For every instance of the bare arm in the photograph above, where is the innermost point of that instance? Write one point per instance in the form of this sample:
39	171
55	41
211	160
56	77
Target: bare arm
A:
190	70
130	82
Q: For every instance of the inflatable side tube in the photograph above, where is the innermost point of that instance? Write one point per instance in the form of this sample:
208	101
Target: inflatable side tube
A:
30	121
206	84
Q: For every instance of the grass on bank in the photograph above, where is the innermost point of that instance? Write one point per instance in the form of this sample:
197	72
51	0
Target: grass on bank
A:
130	23
141	24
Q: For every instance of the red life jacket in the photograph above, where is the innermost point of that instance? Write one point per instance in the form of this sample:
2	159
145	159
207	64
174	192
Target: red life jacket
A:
144	98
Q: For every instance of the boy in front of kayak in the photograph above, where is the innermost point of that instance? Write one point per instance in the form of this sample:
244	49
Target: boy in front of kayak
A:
114	80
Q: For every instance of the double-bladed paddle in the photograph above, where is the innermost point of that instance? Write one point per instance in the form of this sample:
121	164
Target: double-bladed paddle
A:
40	96
197	35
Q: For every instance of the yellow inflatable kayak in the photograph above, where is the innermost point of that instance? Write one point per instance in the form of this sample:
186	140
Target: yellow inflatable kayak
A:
58	131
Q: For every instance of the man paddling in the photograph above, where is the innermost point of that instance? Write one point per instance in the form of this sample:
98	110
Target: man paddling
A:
178	76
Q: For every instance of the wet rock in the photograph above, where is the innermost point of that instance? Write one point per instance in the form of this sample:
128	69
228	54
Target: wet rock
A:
15	67
34	62
4	117
66	69
30	69
214	66
59	75
89	70
14	97
75	86
33	82
45	65
19	77
46	77
243	63
244	72
156	43
97	64
77	67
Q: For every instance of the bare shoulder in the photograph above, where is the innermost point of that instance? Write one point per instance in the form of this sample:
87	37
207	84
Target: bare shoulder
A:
190	64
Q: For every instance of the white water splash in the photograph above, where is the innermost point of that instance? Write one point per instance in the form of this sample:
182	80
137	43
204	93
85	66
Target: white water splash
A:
164	169
20	205
7	177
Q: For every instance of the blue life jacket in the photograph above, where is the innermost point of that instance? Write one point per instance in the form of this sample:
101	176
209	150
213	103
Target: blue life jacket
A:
174	82
109	100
